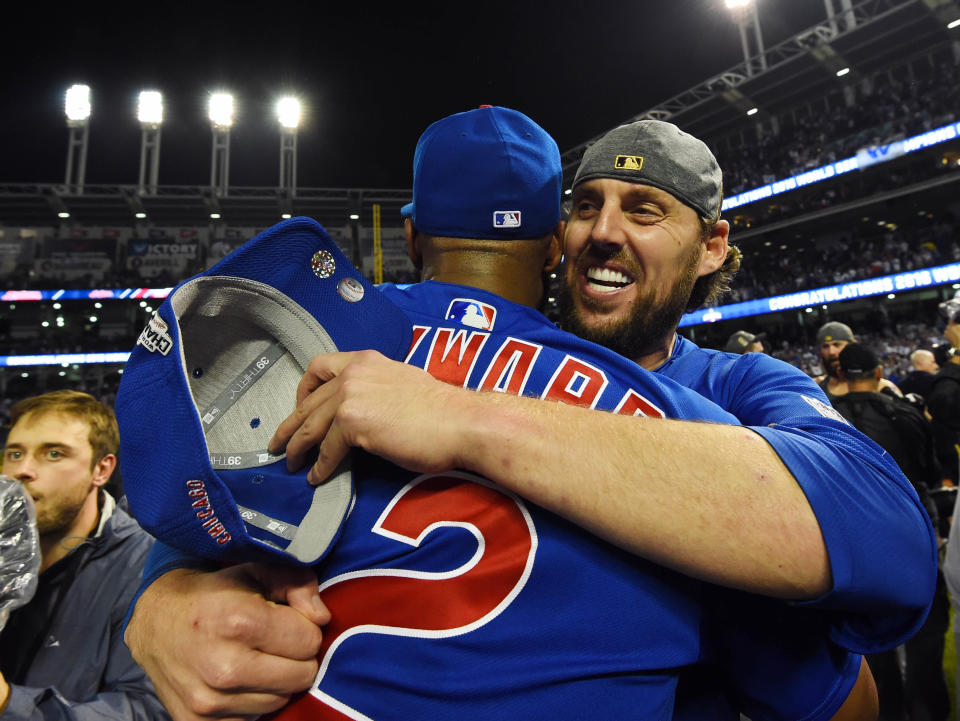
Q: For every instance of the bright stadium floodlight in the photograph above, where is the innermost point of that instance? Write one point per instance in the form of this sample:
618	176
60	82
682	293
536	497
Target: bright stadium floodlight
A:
77	108
221	110
752	111
150	107
754	55
954	24
288	112
77	105
842	72
221	118
150	115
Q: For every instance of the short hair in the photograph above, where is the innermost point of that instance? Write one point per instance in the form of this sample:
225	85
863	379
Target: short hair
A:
104	435
709	288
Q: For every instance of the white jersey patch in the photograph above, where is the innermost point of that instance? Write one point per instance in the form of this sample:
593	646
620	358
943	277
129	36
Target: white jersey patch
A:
824	410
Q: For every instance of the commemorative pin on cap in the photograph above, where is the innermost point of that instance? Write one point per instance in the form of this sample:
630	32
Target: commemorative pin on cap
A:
214	373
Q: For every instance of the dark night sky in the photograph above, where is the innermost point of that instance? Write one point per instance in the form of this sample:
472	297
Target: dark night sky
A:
372	75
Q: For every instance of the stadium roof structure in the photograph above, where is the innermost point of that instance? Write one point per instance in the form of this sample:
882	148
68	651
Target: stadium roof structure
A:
871	36
174	205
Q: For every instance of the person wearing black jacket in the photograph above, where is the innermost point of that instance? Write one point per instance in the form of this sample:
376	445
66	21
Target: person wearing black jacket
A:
901	430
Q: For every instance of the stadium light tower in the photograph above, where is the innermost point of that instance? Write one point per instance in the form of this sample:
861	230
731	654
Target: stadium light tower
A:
288	113
221	119
150	115
77	108
745	13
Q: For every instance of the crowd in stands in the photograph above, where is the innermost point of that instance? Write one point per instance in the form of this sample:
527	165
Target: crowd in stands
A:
898	104
866	251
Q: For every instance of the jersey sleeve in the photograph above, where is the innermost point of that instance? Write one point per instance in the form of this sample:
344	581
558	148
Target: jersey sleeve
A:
882	547
802	676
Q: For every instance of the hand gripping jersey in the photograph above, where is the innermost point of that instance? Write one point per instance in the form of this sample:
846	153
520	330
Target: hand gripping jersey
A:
454	599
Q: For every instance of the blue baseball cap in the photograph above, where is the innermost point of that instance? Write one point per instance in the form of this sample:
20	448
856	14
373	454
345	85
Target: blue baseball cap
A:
486	173
214	373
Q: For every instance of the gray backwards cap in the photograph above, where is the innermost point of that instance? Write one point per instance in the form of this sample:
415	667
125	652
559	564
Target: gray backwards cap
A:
652	152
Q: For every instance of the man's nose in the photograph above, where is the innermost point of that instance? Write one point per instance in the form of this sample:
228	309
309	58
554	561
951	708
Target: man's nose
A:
23	470
608	231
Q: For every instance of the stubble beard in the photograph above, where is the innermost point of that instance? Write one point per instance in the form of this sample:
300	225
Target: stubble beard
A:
56	516
644	327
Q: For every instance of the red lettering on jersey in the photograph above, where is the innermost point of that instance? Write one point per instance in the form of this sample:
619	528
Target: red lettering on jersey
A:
576	383
510	368
453	354
634	404
419	331
426	605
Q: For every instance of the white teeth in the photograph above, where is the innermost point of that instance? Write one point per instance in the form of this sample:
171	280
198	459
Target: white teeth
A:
607	280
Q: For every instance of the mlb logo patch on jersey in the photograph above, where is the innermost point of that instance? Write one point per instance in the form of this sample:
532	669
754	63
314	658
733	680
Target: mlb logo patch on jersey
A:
506	219
473	313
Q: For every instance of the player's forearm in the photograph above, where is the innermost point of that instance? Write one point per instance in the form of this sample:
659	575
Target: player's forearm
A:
708	500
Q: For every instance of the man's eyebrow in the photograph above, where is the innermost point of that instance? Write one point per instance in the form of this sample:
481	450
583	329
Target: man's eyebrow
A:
43	446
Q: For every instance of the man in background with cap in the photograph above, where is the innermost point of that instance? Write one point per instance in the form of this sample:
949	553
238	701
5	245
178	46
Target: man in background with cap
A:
832	338
901	430
62	655
743	342
460	253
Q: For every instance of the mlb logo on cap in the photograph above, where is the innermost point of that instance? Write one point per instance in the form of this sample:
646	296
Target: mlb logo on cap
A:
212	376
506	219
473	313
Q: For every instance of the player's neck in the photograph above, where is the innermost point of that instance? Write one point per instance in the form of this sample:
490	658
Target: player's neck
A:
652	358
506	277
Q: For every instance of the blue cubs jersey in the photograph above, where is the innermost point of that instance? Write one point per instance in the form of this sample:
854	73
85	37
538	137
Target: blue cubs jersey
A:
452	598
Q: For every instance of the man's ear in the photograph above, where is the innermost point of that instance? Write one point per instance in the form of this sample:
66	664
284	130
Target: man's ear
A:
555	249
413	248
715	248
878	373
103	469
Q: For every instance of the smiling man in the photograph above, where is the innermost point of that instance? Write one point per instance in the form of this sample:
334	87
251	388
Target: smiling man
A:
62	655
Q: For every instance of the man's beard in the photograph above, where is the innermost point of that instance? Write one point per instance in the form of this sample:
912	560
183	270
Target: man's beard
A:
830	368
647	324
57	516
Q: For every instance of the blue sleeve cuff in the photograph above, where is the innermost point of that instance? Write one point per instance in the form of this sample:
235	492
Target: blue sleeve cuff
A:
883	558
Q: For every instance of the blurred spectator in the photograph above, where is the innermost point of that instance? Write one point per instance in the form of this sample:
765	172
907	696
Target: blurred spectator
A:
743	342
832	338
920	379
62	655
899	428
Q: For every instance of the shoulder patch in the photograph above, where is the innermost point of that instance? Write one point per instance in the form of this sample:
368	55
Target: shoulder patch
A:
827	411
